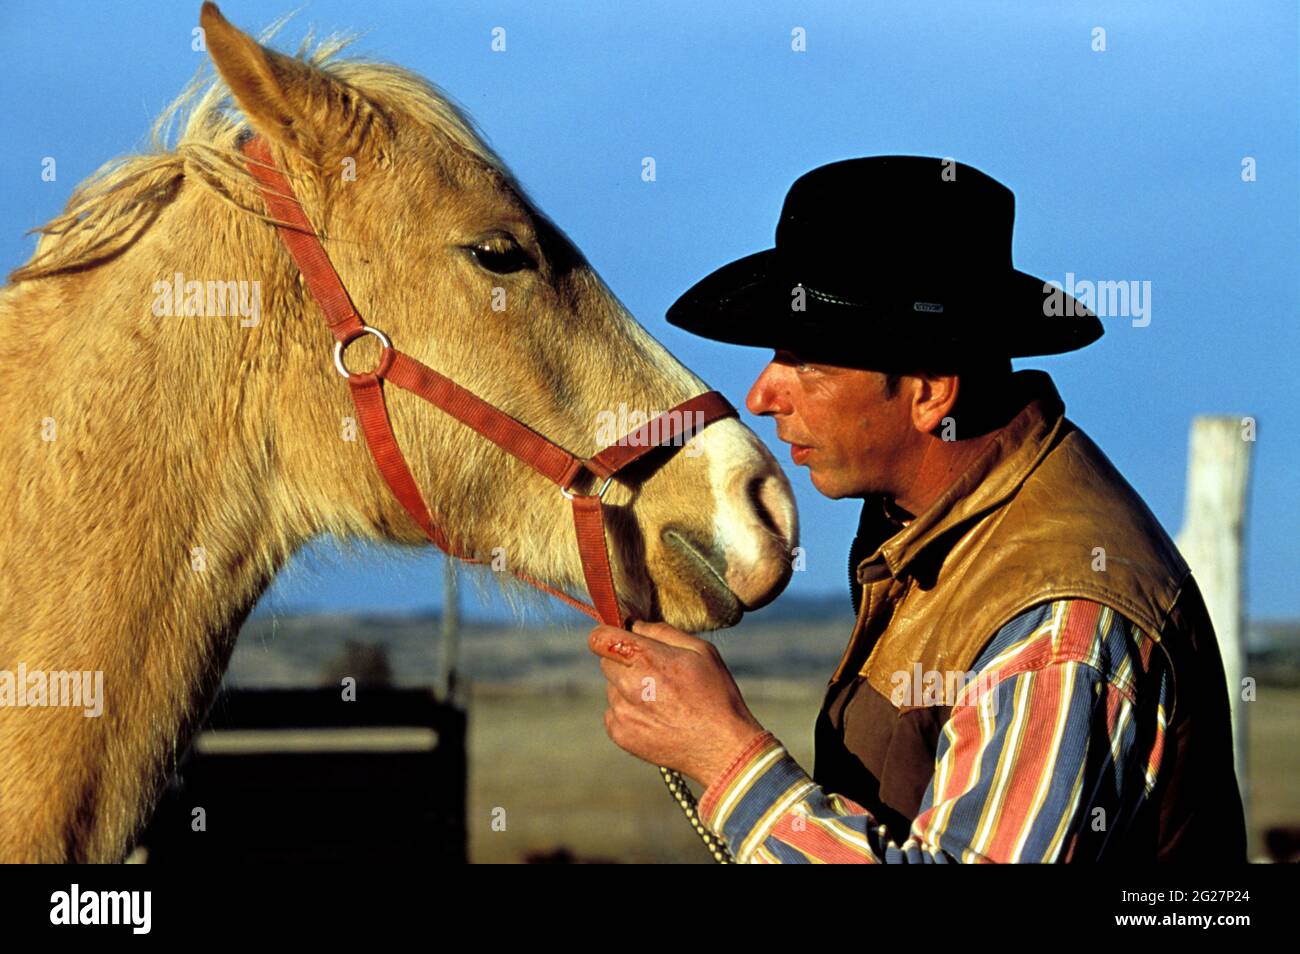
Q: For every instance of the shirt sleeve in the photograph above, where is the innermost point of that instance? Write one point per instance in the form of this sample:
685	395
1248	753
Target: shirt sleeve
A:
1048	754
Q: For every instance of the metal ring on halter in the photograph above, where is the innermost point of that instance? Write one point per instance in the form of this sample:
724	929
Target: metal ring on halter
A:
340	345
599	493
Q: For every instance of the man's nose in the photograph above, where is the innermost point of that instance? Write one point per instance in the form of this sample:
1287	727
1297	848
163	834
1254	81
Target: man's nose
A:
765	396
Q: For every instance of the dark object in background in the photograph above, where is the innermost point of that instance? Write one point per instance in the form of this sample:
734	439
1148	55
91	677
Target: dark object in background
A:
364	662
296	776
1283	844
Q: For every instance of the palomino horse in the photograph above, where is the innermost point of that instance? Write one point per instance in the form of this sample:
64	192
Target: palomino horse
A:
165	461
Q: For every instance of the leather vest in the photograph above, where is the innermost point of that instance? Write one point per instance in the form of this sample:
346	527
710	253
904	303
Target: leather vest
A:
1031	521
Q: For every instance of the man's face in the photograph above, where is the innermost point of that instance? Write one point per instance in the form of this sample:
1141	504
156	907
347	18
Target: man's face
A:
858	439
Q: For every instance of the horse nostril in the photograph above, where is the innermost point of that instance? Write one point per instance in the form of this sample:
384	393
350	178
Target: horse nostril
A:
770	496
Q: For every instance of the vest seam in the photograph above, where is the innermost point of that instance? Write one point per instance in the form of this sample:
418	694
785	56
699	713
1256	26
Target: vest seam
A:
908	583
1169	659
863	614
1127	609
1052	597
986	524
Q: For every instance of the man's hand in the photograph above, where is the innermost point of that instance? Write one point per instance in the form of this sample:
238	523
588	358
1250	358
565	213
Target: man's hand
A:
672	701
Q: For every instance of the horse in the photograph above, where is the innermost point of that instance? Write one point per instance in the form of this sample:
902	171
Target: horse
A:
168	453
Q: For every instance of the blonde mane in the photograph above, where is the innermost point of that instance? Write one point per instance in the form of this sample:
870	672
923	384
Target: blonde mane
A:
198	136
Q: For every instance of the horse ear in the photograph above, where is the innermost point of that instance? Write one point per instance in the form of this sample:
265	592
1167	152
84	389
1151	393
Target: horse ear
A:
276	92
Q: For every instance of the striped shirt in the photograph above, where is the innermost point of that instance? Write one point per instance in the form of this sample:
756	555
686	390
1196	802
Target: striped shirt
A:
1047	755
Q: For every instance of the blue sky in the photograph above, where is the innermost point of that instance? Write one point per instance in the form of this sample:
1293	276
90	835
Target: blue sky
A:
1126	166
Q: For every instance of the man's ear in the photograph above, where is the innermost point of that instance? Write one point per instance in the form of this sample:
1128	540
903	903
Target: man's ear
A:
289	102
934	400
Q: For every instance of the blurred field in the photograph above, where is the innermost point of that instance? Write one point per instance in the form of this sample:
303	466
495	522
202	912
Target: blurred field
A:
1274	763
545	759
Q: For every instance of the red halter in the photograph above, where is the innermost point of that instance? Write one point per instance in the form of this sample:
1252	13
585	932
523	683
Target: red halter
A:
547	458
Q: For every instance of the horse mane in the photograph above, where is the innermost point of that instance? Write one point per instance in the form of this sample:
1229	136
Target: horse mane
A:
198	136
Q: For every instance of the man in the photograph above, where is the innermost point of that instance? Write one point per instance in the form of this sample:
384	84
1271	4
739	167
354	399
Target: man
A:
1032	675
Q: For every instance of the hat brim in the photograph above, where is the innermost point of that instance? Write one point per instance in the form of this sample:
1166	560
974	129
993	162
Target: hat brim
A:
749	302
737	303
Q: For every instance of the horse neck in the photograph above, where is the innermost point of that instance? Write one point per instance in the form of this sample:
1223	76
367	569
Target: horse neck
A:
146	508
143	443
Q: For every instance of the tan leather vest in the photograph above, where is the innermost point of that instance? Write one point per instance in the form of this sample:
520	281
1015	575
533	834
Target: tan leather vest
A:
1041	515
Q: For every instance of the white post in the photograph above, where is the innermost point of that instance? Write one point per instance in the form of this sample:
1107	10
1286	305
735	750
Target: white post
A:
1218	473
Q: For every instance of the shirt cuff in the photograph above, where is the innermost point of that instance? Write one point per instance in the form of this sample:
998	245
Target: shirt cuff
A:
743	805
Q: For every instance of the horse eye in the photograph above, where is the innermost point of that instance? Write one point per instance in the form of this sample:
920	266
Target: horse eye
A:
501	255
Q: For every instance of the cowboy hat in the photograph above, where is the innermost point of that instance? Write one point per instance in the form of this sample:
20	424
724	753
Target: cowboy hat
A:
888	258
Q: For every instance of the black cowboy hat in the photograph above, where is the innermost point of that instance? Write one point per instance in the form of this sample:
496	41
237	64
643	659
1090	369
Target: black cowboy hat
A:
889	259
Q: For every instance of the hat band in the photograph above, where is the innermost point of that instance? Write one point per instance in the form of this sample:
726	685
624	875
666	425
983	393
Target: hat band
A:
921	303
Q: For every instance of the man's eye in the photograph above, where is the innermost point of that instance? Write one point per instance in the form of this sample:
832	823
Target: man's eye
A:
792	360
501	256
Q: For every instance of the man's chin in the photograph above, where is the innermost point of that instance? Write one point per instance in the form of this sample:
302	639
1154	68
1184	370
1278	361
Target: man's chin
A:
829	487
826	487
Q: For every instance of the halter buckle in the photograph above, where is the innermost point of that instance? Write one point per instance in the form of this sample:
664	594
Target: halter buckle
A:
365	330
599	494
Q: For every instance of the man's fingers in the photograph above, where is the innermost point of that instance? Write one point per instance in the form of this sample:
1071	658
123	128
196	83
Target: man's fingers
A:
610	642
669	635
616	671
